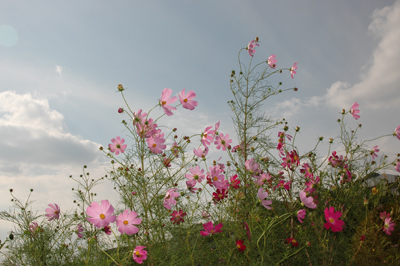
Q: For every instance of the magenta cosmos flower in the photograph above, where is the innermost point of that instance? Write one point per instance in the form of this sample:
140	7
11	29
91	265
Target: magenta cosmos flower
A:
240	245
332	220
170	198
209	229
301	214
166	101
53	212
354	111
397	167
272	61
177	217
388	226
187	101
307	201
251	48
397	132
139	254
126	221
101	215
292	70
117	145
262	195
222	141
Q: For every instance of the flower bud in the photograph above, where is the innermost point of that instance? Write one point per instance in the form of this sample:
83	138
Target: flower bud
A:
331	140
339	120
321	138
297	129
120	87
120	110
343	111
295	89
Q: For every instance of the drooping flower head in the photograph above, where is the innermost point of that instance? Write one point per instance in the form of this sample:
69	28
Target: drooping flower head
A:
107	229
190	184
117	145
209	229
101	215
170	198
53	212
307	201
374	151
177	216
240	245
301	214
251	47
166	101
292	70
262	195
79	228
139	254
332	220
397	167
126	221
397	132
205	215
388	226
354	111
272	61
187	101
246	226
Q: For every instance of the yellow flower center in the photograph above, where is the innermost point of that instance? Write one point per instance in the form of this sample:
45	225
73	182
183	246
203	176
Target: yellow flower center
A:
205	135
163	102
125	222
331	220
102	216
185	100
215	178
56	212
154	145
137	253
238	246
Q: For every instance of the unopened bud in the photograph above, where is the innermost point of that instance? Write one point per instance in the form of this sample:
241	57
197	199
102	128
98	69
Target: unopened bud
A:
120	110
343	111
120	87
331	140
297	129
321	138
295	89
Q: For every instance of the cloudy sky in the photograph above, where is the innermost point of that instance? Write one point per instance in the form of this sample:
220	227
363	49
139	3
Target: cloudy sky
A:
60	63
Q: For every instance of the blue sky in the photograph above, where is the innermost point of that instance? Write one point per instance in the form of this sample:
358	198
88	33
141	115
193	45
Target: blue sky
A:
60	63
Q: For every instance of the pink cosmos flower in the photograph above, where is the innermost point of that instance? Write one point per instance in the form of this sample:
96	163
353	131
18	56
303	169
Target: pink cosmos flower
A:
222	141
262	195
117	145
187	101
177	217
307	170
170	198
156	144
262	178
307	201
397	132
33	227
79	230
126	221
107	229
374	151
235	183
332	220
53	212
283	184
292	70
384	215
253	167
301	214
166	101
190	184
101	215
388	226
311	183
272	61
207	136
139	254
397	167
147	129
354	111
205	215
240	245
251	47
246	226
195	174
209	229
139	117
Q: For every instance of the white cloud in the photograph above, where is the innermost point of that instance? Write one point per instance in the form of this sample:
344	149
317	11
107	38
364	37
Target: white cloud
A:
58	70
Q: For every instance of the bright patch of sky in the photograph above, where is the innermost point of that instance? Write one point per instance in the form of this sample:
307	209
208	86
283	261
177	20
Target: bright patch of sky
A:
61	63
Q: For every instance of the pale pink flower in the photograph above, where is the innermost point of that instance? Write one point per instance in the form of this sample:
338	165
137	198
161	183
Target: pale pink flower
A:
272	61
101	215
139	117
209	229
262	178
374	151
253	167
217	126
117	145
107	229
79	230
222	184
384	215
397	132
301	214
147	129
166	101
207	136
195	174
190	184
397	167
354	111
251	47
307	201
53	212
126	221
332	220
170	198
222	141
139	254
262	195
205	215
292	70
187	101
156	144
388	226
33	227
